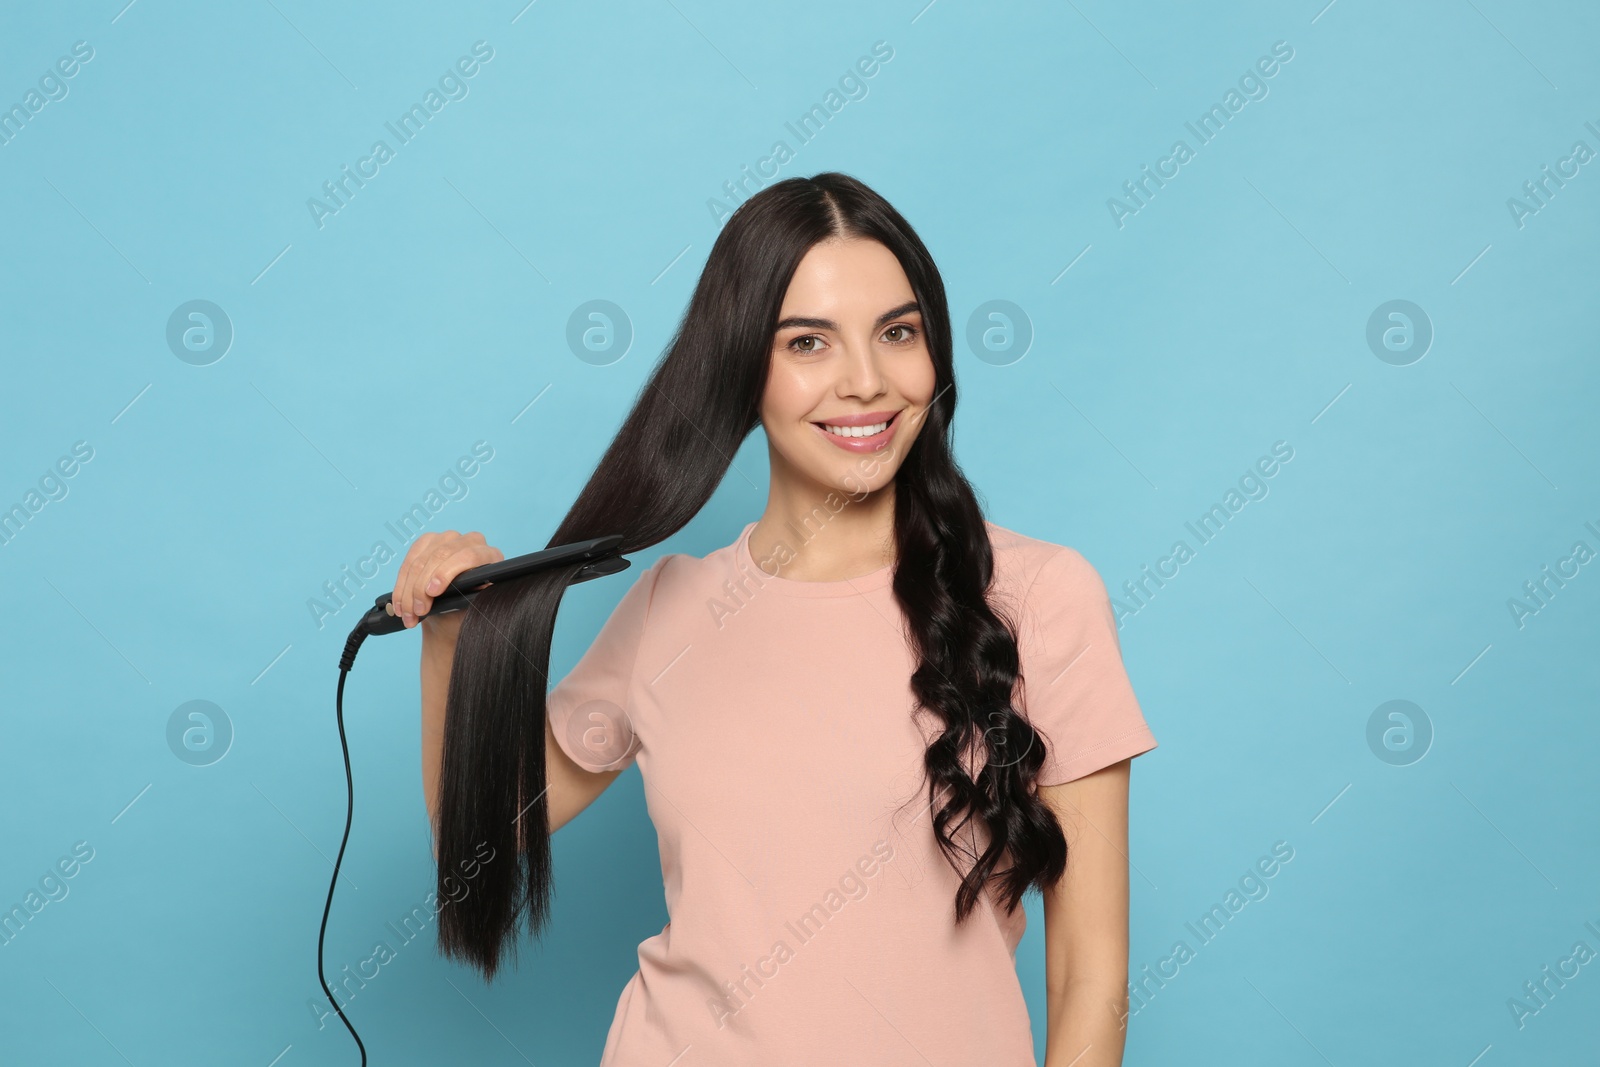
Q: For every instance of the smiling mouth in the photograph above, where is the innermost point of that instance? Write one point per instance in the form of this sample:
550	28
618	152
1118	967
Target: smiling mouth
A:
848	432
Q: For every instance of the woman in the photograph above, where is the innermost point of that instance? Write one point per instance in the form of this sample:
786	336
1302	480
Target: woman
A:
851	784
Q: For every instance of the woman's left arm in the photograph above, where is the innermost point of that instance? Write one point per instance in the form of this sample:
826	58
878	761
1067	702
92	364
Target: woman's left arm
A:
1086	922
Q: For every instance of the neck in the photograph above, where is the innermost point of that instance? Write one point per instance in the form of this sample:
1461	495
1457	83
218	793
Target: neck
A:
829	535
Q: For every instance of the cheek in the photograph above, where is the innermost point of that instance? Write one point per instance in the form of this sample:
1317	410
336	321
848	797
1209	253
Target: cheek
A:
787	399
918	383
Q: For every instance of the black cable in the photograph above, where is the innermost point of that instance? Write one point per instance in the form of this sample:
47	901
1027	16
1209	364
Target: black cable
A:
351	645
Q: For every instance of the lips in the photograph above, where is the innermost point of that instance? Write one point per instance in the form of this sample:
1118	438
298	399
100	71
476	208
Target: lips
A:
861	444
864	418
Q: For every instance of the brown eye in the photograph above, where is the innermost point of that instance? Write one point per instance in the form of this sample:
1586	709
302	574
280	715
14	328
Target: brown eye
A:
907	331
798	340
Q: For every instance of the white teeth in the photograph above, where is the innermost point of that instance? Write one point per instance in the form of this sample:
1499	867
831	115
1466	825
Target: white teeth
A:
856	431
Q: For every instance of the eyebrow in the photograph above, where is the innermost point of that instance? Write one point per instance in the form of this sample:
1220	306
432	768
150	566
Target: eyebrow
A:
828	324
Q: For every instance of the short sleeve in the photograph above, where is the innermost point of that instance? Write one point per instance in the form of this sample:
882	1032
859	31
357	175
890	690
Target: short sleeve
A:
589	709
1075	689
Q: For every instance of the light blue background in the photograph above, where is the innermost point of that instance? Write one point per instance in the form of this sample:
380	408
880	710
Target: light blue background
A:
369	354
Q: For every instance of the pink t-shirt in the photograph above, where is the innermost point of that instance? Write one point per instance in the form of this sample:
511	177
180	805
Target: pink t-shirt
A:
812	915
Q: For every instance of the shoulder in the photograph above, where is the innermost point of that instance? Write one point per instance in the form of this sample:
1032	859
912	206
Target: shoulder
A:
676	575
1029	566
1051	591
652	585
678	584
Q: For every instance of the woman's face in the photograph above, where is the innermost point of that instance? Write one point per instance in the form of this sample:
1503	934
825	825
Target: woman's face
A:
848	351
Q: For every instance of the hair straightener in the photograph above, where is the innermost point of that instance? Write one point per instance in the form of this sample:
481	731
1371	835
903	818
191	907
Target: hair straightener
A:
604	557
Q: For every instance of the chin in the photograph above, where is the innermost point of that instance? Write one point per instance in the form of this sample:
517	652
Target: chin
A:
864	477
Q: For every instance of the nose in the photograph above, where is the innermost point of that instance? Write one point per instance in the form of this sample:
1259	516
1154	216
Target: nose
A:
860	374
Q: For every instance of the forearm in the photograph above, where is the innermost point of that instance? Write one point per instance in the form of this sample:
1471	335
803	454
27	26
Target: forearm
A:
1088	1025
569	788
438	653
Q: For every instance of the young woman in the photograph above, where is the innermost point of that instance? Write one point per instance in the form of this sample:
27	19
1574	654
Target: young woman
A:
865	727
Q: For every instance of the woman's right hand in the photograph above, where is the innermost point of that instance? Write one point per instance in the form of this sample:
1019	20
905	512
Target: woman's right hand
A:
431	563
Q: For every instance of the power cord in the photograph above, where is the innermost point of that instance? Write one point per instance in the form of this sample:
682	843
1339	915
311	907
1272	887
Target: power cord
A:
351	645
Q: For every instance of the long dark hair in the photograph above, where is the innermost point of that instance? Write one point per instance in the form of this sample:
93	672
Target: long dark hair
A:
700	402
